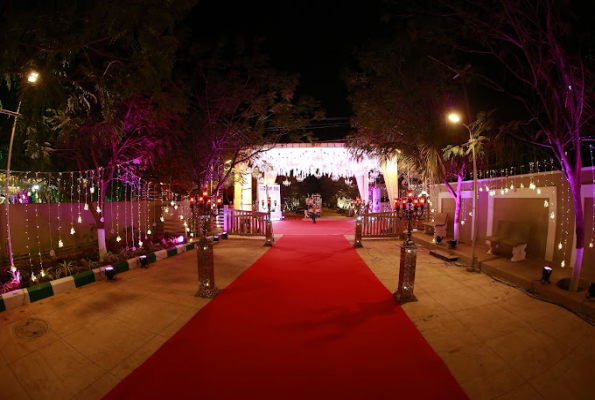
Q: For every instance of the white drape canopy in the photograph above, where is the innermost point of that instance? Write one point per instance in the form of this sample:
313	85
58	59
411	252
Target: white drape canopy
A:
319	159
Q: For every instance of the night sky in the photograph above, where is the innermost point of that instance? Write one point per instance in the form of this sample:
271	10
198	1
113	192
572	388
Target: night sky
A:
312	38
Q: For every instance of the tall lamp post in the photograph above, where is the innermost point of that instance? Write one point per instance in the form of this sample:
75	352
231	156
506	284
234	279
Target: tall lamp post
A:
473	268
32	78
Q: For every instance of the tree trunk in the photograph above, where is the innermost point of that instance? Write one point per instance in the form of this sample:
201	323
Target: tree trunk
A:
575	183
456	195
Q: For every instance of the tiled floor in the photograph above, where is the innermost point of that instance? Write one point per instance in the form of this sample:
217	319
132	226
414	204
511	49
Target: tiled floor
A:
497	341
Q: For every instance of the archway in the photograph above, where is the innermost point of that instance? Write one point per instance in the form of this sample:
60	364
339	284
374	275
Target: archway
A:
318	159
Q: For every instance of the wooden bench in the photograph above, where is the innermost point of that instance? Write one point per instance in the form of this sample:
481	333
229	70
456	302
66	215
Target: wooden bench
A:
437	227
513	234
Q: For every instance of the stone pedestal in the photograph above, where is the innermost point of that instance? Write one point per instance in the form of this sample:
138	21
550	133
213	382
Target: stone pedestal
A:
358	232
404	293
270	238
206	270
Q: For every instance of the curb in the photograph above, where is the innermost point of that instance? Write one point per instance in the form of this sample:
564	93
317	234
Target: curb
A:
20	297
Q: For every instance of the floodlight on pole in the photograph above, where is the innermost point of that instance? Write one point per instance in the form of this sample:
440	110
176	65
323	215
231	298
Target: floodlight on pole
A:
32	78
456	118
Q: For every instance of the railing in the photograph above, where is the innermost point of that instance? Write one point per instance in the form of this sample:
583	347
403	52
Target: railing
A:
244	223
384	224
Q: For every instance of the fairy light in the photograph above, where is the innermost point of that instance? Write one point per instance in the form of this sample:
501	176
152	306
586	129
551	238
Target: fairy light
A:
140	185
591	244
148	213
27	233
37	230
118	238
50	216
111	203
131	216
72	231
60	243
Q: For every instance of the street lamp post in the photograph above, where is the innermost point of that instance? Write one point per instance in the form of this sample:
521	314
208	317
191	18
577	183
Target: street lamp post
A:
473	267
31	79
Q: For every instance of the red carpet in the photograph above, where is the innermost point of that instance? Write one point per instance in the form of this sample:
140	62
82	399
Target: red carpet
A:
308	320
321	227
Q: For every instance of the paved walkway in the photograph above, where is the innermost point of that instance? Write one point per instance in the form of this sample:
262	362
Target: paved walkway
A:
498	341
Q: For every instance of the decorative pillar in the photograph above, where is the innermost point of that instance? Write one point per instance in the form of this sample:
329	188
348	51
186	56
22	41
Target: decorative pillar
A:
358	232
412	209
404	293
269	225
206	269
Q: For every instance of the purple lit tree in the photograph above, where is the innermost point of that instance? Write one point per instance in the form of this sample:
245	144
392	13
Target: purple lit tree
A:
538	46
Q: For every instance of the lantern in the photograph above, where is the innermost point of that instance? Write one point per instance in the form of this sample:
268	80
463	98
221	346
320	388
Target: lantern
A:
219	201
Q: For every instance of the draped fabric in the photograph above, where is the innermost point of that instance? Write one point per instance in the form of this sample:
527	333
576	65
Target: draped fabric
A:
242	194
390	171
270	177
362	184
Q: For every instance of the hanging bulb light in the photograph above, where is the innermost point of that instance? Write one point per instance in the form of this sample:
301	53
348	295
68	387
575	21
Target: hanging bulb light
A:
563	264
560	246
512	186
118	239
176	207
80	219
86	206
72	231
92	190
42	272
60	243
172	203
148	231
140	244
162	219
591	245
522	186
552	215
181	217
166	209
33	277
546	203
98	209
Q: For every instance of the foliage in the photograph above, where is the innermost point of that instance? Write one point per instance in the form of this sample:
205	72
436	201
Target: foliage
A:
236	102
534	44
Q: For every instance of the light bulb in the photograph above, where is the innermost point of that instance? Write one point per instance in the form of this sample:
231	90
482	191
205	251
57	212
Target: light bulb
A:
72	231
563	264
176	207
522	186
172	202
98	209
86	206
140	244
80	219
552	215
92	189
591	245
60	243
42	273
538	191
560	246
181	217
33	277
166	209
512	186
546	203
463	222
118	239
148	232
